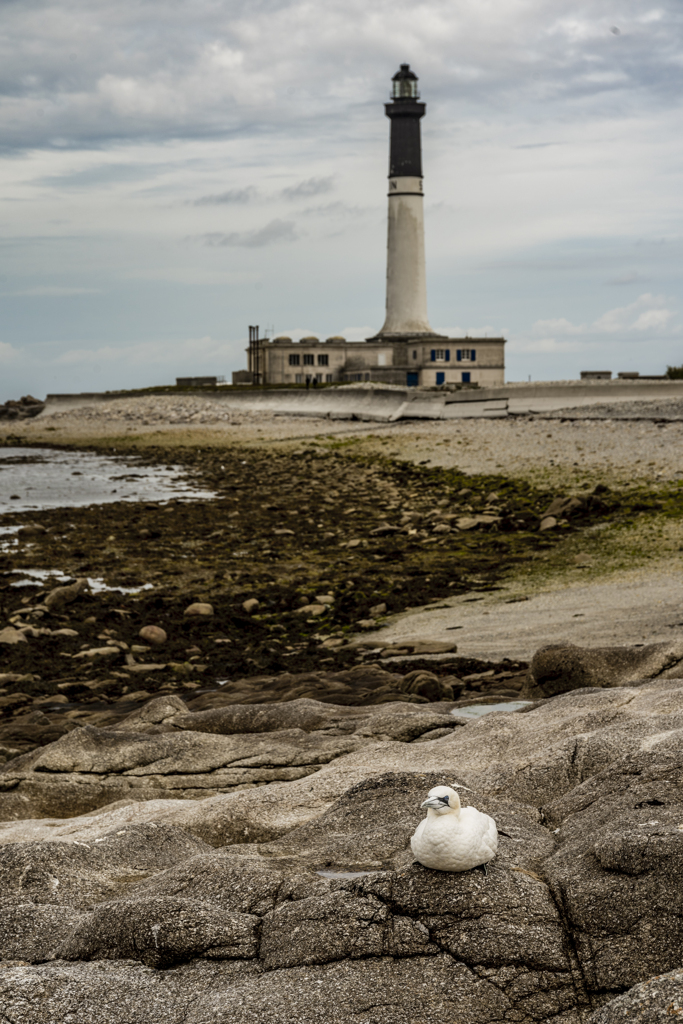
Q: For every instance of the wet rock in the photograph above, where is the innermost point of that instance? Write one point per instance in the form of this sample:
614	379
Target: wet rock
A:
31	532
561	508
559	668
161	931
153	635
251	606
655	1001
62	596
428	685
199	610
548	523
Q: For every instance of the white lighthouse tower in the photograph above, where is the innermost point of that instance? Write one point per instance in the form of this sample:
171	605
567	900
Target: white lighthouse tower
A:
406	307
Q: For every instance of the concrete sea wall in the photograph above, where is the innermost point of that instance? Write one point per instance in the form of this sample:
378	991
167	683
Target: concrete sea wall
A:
386	405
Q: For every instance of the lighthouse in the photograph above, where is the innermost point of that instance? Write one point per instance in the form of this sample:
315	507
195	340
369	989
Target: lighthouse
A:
406	303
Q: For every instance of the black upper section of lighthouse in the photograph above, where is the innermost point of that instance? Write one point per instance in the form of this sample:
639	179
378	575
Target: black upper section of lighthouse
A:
405	151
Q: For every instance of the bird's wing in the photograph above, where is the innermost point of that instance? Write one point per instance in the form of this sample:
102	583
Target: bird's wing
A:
417	835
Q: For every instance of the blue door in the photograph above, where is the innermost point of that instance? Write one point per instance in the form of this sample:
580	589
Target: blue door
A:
465	377
440	377
412	379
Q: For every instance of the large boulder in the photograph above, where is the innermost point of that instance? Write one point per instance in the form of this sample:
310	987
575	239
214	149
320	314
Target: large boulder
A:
618	869
162	930
558	668
658	1000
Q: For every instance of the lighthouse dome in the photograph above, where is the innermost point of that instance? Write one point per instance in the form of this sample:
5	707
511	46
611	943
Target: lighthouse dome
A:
404	84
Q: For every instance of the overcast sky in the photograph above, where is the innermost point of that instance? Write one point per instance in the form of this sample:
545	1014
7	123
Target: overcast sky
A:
175	171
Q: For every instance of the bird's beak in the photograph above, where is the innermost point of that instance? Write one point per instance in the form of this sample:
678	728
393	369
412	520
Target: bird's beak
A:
435	802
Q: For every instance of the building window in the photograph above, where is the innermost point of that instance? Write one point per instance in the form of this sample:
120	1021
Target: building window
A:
440	377
319	378
299	378
309	359
441	355
467	355
294	359
328	378
412	379
324	360
414	354
466	377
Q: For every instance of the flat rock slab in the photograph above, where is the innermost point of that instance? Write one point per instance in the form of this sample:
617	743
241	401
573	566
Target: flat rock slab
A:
631	608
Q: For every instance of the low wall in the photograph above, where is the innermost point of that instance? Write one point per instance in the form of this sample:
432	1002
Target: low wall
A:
386	406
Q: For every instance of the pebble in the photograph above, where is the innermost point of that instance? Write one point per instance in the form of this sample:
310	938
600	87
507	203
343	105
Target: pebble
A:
200	610
10	635
312	609
154	634
250	606
548	523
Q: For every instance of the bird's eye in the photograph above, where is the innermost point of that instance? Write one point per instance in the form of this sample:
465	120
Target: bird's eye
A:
443	799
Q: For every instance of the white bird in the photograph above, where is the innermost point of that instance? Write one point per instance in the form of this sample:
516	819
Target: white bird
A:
451	837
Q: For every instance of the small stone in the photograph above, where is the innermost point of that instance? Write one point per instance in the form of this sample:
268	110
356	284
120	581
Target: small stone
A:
548	523
250	606
30	531
312	609
366	624
139	648
442	528
61	596
378	609
354	543
153	635
199	610
10	635
324	599
99	652
467	523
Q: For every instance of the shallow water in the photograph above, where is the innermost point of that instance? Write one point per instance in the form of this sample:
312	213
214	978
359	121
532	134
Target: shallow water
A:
32	479
55	578
477	710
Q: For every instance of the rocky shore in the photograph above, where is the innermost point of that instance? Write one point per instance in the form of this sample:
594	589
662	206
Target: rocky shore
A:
211	763
180	901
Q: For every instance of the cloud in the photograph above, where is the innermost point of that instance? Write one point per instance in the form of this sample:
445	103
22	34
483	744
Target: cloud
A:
558	326
275	231
8	353
74	73
627	277
54	291
101	175
233	195
547	346
647	313
308	188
